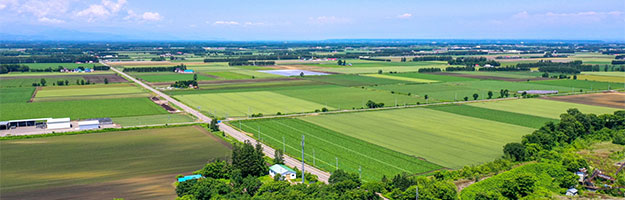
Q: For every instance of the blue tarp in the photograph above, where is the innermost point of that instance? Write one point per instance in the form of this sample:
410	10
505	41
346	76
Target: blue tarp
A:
186	178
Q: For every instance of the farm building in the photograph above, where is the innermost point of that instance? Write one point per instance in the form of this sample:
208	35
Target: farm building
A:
59	123
284	171
89	124
190	177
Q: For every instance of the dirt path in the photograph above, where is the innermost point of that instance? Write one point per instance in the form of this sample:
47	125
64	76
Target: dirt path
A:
32	98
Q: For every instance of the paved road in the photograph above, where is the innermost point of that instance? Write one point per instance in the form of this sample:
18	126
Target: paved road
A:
186	108
322	175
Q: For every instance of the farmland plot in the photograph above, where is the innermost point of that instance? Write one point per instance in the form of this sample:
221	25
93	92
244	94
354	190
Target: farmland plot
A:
541	107
427	133
325	148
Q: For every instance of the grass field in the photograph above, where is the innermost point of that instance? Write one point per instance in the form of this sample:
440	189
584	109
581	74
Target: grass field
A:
541	107
434	77
519	75
80	109
28	82
401	78
580	84
370	70
369	63
530	121
89	92
617	74
229	75
330	146
169	77
347	97
601	78
16	95
427	133
247	103
120	160
152	119
354	80
55	66
448	91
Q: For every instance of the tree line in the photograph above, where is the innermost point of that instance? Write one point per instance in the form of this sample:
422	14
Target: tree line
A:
248	63
155	69
432	58
473	61
48	59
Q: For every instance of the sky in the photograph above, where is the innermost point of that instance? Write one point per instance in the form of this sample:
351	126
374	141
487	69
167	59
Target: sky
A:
311	20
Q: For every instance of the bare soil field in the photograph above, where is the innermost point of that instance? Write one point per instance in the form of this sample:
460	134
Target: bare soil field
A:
490	77
611	99
149	187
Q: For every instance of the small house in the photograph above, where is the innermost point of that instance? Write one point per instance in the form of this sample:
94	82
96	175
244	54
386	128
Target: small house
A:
190	177
571	192
282	170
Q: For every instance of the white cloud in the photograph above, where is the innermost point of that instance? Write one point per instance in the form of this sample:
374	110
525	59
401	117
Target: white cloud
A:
404	16
328	20
100	11
226	23
40	8
151	16
50	20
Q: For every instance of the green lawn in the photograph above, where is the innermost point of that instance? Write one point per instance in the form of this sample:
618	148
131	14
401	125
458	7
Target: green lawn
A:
95	91
330	146
152	119
80	109
247	103
530	121
447	139
541	107
16	95
169	77
42	163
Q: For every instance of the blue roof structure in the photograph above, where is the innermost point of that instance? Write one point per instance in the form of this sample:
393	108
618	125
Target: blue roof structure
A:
188	70
190	177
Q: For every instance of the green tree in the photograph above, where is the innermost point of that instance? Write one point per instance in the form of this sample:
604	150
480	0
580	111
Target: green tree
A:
217	169
466	98
379	71
213	125
278	157
106	81
42	82
249	159
490	94
82	82
519	186
66	82
426	98
475	96
301	74
515	151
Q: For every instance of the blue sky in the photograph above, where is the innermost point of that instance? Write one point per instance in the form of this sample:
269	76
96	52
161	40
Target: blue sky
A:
315	20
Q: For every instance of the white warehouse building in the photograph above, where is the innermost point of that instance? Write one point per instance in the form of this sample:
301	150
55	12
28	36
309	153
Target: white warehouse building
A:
58	123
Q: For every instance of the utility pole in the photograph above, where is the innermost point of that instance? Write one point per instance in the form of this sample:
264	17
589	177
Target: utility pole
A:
283	145
259	136
337	162
417	194
303	179
314	159
360	172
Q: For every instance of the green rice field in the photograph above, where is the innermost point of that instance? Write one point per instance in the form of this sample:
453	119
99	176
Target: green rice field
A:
354	80
541	107
169	77
16	95
124	162
402	78
530	121
55	66
433	77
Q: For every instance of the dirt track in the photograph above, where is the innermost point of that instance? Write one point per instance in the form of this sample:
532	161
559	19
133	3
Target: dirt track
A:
490	77
611	99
